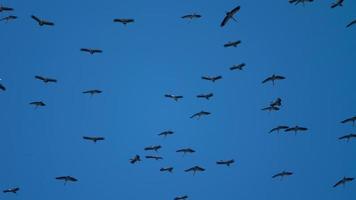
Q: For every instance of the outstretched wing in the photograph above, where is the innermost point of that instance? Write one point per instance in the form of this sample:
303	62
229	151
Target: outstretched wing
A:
224	21
266	80
36	18
235	10
2	87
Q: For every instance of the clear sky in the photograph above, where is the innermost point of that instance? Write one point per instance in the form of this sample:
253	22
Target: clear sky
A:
161	53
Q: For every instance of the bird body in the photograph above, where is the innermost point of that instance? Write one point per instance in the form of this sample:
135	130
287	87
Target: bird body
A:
135	159
38	104
232	44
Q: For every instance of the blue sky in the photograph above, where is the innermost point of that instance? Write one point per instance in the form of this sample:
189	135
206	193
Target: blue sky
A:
161	53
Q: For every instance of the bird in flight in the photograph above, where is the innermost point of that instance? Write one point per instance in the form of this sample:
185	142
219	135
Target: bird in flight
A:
181	197
276	103
296	129
174	97
273	78
299	1
205	96
124	21
211	78
238	67
337	3
195	169
278	128
232	44
271	108
166	169
135	159
4	8
348	137
38	104
91	51
67	179
45	79
343	181
11	190
94	139
185	151
153	148
351	23
230	15
200	114
191	16
2	87
42	22
154	157
166	133
282	174
8	18
92	92
348	120
225	162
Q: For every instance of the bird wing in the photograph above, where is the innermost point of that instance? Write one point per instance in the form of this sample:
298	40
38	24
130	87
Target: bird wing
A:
235	10
280	77
2	87
224	21
266	80
36	18
338	183
40	78
48	23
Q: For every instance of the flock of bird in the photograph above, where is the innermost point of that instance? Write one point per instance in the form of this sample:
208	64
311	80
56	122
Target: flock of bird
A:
272	106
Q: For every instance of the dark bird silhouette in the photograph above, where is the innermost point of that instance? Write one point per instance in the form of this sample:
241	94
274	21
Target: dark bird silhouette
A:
211	78
4	8
46	80
343	181
299	1
12	190
232	44
2	87
337	3
270	108
153	148
124	21
135	159
195	169
181	197
230	15
205	96
225	162
273	78
154	157
351	23
42	22
174	97
8	18
282	174
67	179
166	133
348	137
348	120
238	67
38	104
278	128
191	16
200	114
185	151
166	169
94	139
296	129
276	103
91	51
92	92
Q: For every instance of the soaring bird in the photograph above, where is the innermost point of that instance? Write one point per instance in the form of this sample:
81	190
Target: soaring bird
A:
276	103
230	15
273	78
225	162
174	97
232	44
337	3
154	157
8	18
191	16
348	120
124	21
195	169
200	114
278	128
153	148
185	151
351	23
135	159
296	129
2	87
205	96
92	92
211	78
347	137
3	8
343	181
282	174
91	51
12	190
45	79
185	197
94	139
270	108
166	133
300	1
42	22
67	179
166	169
38	104
238	67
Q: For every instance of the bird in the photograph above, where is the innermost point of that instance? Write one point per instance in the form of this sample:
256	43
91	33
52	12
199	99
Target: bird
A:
282	174
124	21
94	139
2	87
276	103
91	51
185	151
351	119
238	67
174	97
166	133
211	78
347	137
232	44
299	1
351	23
191	16
271	108
154	157
46	80
200	114
42	22
11	190
8	18
135	159
337	3
296	129
4	8
92	92
205	96
230	15
153	148
166	169
343	181
195	169
273	78
225	162
181	197
67	179
38	104
278	128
